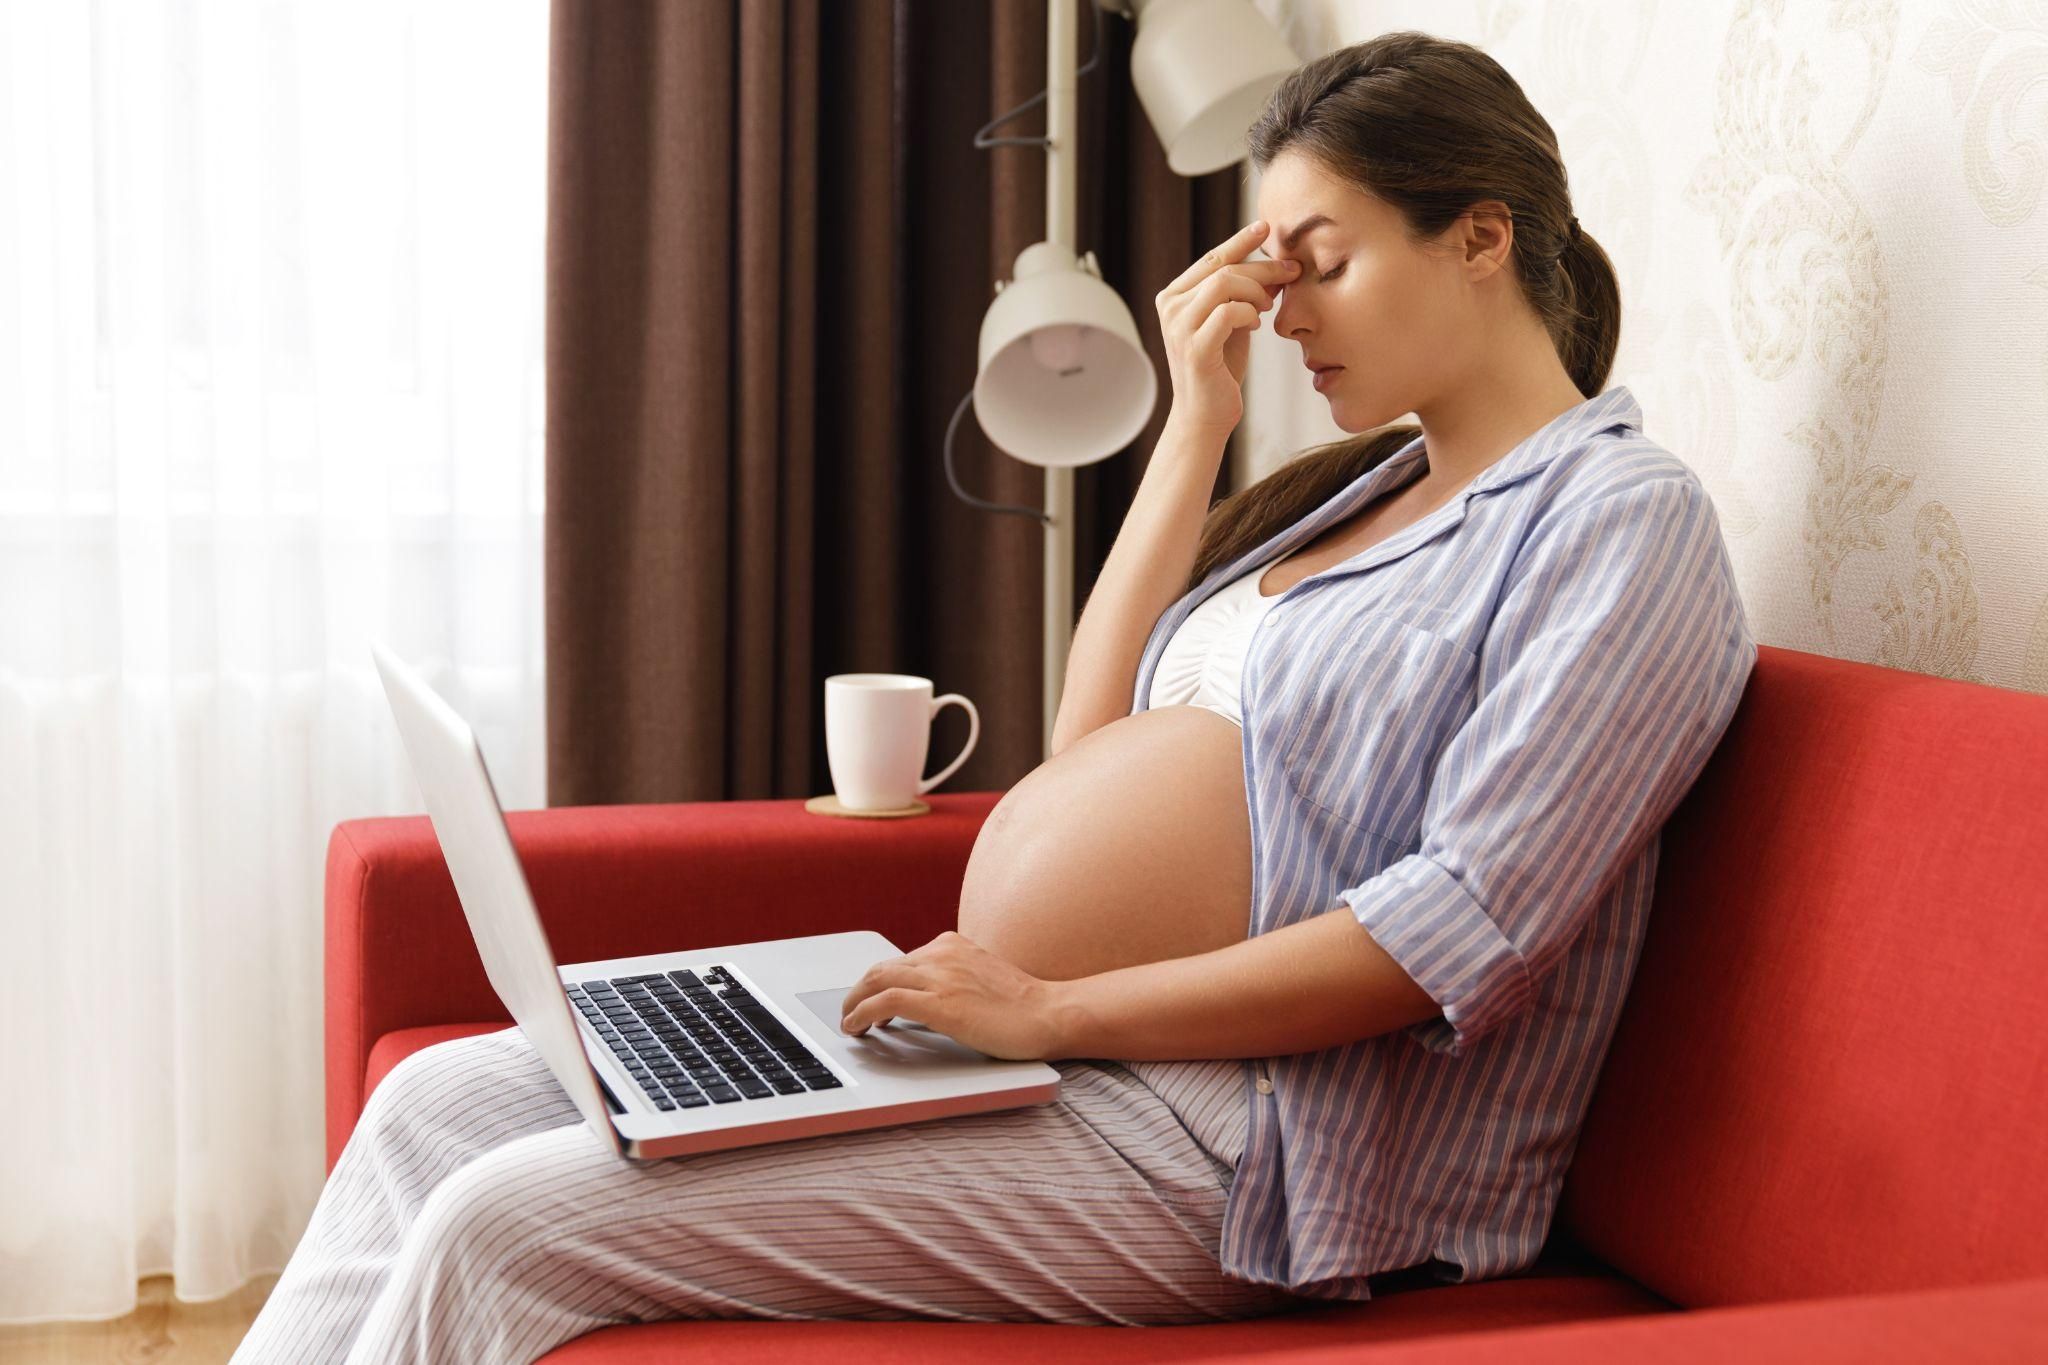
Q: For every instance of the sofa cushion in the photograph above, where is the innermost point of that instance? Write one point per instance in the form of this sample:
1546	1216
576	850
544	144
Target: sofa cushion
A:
1831	1075
2006	1322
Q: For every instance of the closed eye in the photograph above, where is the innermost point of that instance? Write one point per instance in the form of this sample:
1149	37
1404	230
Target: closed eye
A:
1332	273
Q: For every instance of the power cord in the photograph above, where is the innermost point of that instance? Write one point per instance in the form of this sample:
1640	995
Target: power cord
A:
968	497
982	139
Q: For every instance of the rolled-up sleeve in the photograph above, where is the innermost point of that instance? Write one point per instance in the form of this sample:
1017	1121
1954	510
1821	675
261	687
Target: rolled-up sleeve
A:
1614	662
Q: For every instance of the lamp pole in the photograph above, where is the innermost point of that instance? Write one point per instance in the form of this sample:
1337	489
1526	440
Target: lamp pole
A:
1061	116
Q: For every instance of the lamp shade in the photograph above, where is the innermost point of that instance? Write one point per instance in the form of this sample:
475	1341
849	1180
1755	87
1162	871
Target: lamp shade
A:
1063	379
1203	70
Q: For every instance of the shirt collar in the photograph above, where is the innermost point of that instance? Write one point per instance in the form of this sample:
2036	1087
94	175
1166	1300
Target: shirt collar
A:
1617	407
1602	412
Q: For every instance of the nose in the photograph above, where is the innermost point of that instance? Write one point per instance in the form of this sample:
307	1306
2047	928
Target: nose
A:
1290	316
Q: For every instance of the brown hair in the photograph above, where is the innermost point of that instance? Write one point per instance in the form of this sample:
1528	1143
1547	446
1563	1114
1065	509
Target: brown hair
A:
1430	126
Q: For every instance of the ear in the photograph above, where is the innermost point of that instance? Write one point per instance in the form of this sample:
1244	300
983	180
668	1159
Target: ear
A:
1485	237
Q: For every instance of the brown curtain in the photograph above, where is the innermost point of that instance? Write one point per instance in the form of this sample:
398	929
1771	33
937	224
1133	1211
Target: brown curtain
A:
770	243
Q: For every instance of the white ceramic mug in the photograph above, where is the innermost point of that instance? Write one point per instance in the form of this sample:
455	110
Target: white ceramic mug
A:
878	732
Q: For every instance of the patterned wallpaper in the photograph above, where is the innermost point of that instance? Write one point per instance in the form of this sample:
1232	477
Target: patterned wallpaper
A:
1826	216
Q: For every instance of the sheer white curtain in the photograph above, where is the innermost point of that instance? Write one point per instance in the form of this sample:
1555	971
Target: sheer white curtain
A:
270	388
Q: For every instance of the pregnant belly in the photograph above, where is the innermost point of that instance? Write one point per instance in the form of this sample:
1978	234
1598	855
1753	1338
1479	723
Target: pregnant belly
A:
1132	845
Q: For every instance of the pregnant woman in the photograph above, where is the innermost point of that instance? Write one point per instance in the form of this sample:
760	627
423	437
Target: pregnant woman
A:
1329	897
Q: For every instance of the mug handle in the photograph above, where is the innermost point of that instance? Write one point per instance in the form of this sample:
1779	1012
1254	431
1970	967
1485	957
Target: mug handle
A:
973	733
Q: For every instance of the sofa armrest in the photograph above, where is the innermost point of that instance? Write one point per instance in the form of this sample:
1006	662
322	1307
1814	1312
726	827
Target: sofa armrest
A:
612	881
2007	1321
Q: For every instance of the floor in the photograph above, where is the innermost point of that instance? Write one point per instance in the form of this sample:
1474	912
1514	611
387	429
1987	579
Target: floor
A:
161	1331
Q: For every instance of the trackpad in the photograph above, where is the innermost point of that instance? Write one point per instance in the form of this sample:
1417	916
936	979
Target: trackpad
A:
826	1005
902	1040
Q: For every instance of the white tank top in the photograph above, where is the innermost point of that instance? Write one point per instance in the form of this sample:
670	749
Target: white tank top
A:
1204	661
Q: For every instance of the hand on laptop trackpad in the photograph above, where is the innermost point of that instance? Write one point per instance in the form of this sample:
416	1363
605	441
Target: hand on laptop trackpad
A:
826	1005
903	1043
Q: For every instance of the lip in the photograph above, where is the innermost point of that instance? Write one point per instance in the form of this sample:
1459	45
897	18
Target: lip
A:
1326	376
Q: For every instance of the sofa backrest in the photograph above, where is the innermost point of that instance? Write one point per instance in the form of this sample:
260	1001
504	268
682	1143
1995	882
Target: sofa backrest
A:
1831	1073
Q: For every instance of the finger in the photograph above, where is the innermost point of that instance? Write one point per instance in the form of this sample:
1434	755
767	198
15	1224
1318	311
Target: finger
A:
1233	248
1267	272
1224	286
896	971
1224	321
886	1005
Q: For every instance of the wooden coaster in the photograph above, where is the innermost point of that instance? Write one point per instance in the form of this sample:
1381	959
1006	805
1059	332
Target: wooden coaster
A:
830	804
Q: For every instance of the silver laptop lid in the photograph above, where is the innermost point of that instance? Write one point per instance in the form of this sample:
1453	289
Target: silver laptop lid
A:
463	808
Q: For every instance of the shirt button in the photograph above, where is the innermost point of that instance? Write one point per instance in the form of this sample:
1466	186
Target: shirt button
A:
1263	1086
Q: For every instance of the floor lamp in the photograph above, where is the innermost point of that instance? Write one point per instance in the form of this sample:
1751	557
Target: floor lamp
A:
1062	377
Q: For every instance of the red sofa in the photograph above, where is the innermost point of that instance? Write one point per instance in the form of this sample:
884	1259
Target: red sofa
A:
1819	1133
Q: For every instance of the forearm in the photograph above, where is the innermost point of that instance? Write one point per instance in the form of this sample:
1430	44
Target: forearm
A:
1145	573
1314	984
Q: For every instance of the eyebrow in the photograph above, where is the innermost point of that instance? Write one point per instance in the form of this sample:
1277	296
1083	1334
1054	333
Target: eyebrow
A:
1292	237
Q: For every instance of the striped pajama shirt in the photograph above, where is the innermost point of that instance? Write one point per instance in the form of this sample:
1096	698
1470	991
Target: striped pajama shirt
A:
1467	736
473	1216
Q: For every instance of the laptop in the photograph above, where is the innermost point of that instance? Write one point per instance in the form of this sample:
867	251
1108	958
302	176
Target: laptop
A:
690	1051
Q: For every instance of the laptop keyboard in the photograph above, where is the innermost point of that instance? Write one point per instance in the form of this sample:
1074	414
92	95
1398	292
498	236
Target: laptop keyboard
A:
691	1041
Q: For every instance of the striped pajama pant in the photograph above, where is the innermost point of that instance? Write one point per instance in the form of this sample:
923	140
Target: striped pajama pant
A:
474	1217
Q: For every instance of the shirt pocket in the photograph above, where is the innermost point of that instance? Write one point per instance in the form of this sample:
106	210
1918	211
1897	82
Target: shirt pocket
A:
1367	723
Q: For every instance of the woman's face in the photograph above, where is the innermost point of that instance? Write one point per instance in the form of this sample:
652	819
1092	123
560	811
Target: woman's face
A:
1400	318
